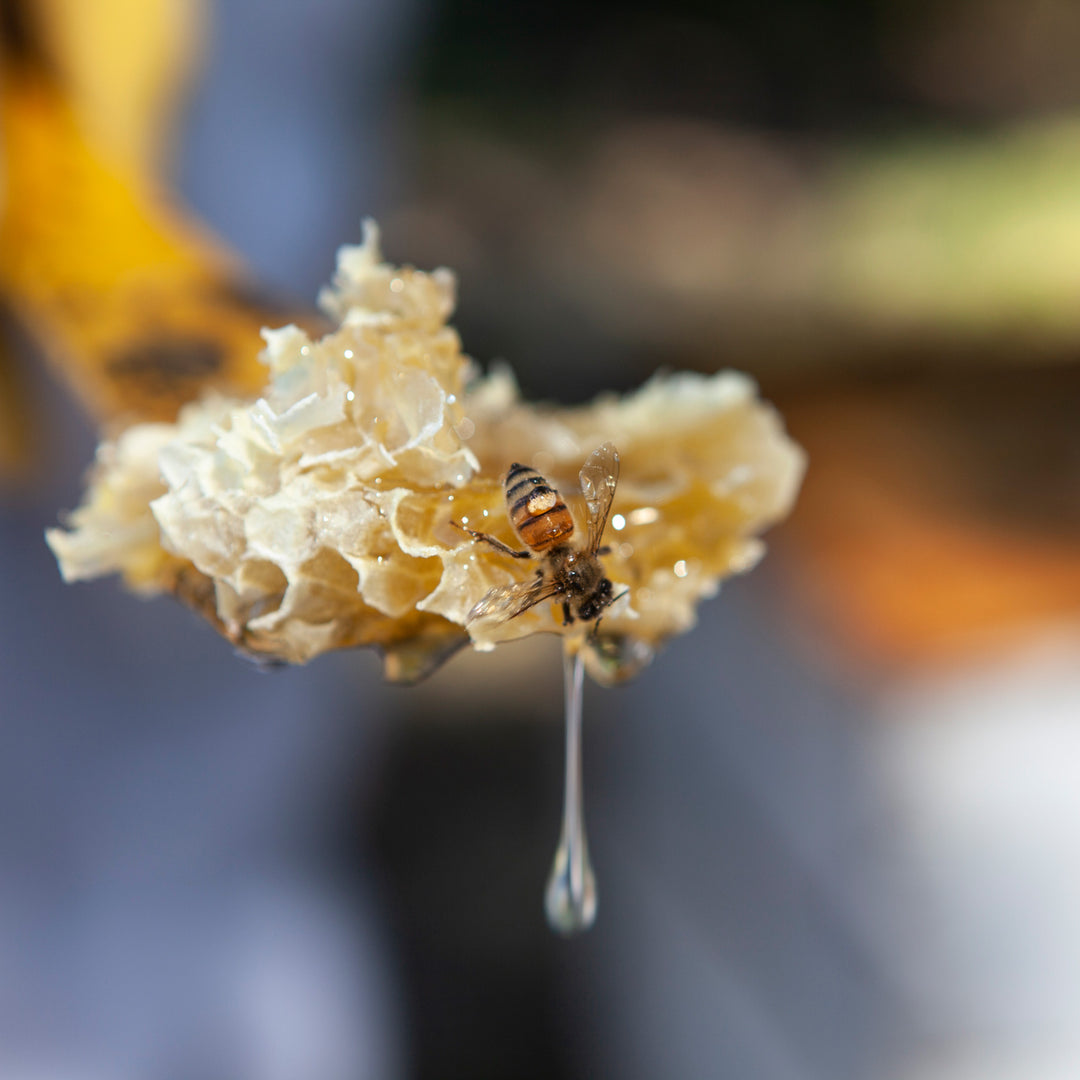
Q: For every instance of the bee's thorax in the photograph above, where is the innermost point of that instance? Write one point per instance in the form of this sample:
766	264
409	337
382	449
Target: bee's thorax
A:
581	580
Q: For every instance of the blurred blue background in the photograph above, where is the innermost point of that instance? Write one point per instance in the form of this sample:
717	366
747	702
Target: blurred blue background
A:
835	836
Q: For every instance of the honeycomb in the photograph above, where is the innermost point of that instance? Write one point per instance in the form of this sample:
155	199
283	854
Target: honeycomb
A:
320	515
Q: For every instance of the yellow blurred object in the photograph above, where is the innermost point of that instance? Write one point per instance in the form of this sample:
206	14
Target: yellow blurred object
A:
124	65
14	424
138	308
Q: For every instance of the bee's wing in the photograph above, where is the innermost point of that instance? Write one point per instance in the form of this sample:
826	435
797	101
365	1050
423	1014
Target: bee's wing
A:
598	477
505	601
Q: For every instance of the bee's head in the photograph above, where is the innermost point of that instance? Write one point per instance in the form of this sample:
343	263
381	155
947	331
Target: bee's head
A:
591	606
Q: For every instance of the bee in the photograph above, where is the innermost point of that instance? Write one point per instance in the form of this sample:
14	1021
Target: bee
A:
543	522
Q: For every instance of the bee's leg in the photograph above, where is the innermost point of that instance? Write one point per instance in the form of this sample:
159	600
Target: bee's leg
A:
497	544
567	618
594	633
605	550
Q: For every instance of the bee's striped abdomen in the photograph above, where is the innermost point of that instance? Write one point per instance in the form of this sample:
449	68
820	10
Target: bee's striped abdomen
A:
536	510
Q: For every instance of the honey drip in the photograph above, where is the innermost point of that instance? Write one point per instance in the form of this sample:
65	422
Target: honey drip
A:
570	897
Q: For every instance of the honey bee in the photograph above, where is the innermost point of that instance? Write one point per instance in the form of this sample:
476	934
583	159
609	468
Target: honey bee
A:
543	522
